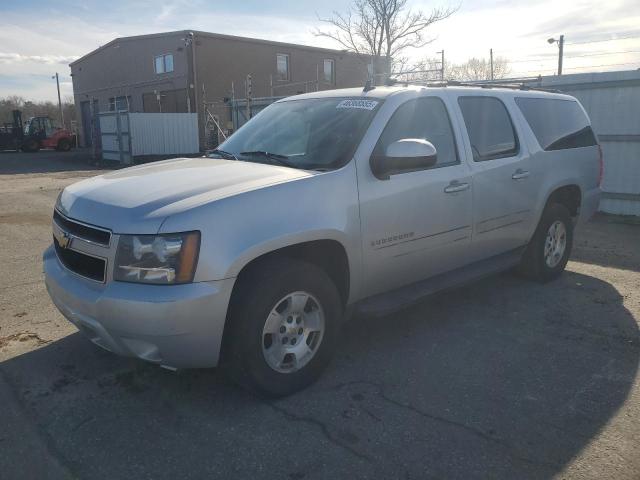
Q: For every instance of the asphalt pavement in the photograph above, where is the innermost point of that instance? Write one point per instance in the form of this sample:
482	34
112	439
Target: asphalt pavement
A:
501	379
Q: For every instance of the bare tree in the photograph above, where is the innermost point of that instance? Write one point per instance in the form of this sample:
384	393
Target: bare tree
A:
32	108
380	30
478	69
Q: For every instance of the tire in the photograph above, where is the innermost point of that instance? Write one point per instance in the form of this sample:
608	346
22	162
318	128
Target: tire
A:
269	291
64	145
31	145
542	261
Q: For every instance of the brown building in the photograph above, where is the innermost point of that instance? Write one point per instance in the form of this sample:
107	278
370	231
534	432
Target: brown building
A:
190	71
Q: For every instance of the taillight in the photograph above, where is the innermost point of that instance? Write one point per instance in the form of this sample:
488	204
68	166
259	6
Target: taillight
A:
601	161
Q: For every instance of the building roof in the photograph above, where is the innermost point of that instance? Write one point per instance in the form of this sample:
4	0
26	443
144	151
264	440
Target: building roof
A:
210	35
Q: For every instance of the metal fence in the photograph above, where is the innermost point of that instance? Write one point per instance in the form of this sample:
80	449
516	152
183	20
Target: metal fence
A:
127	135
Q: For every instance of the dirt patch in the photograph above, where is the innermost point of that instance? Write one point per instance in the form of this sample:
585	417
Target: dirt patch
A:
25	219
22	337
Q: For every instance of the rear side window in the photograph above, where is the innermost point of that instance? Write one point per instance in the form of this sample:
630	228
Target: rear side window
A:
557	124
490	129
424	118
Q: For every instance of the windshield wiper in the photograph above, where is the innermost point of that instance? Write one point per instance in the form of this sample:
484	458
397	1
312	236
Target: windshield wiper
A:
276	157
223	154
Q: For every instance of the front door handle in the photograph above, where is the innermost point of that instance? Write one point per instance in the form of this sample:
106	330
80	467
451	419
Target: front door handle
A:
456	186
519	174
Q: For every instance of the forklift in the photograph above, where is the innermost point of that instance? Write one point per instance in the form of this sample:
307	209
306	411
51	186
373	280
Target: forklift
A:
36	133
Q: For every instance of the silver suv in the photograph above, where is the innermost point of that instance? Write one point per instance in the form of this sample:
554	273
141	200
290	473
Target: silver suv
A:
323	203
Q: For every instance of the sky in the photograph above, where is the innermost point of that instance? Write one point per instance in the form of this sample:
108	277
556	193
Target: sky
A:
39	38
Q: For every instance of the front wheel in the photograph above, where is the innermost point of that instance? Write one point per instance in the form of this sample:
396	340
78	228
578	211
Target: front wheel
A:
283	325
31	145
548	252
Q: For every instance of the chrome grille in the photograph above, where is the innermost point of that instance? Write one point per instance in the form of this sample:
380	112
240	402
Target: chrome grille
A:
80	263
84	231
81	248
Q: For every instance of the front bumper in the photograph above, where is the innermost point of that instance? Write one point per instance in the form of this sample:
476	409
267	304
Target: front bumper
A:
179	326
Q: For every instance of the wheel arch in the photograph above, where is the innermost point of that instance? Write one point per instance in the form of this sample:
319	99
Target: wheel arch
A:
569	195
328	254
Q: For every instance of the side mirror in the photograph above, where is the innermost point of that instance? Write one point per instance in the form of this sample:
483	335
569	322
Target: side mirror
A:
406	155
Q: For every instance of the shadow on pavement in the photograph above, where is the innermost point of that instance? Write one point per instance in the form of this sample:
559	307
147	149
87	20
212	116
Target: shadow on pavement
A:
502	379
46	161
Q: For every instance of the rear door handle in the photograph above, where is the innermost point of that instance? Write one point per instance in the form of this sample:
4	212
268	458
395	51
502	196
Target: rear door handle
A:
456	186
519	174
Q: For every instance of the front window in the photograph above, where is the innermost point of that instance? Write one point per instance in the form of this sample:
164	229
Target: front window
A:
282	65
313	134
425	118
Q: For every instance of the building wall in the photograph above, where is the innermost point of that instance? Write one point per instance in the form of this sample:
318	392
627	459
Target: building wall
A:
125	67
223	62
612	100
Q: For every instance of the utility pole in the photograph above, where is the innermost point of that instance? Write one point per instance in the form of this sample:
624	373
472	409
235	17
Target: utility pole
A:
441	64
59	100
491	61
560	52
560	43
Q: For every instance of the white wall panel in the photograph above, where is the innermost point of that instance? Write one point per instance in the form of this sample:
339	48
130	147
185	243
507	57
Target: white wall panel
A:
164	133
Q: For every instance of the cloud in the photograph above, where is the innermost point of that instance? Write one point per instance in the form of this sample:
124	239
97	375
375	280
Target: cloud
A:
37	43
6	57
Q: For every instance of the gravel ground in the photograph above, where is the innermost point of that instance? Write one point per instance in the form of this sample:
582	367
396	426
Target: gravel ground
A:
501	379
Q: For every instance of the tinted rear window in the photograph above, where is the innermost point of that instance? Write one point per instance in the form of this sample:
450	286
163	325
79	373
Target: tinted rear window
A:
557	124
488	123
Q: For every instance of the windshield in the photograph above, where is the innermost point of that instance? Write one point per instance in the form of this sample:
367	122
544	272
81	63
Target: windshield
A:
313	134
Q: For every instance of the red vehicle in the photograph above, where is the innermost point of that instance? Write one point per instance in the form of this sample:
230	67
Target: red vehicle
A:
37	132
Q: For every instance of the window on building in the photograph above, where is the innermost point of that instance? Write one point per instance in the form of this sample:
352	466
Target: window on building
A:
119	103
163	63
557	124
282	65
490	129
425	118
329	71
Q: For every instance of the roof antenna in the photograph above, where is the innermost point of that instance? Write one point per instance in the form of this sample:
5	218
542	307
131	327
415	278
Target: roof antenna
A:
367	86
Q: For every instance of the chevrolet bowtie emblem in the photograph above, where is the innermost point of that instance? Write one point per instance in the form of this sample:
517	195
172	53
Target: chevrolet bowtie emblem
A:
64	239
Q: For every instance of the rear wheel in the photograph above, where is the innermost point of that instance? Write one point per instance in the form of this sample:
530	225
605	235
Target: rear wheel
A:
283	325
64	145
548	252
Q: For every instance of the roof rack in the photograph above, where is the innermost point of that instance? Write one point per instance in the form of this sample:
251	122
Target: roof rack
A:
514	84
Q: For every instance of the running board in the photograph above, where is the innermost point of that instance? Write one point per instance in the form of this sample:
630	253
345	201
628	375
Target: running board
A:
388	302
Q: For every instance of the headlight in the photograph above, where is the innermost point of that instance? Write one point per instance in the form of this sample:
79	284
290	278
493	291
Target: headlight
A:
162	259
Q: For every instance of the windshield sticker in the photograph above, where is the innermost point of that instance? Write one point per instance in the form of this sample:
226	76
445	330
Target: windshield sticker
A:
360	104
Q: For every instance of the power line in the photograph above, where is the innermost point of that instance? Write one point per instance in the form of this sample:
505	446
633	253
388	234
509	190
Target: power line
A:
541	70
605	40
553	58
605	65
602	53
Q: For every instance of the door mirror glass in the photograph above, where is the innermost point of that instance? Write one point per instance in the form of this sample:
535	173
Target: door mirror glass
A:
406	155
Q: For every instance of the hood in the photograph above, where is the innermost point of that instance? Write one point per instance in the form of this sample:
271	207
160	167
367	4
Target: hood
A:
138	199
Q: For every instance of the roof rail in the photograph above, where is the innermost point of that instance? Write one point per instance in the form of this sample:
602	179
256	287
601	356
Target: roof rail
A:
514	84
